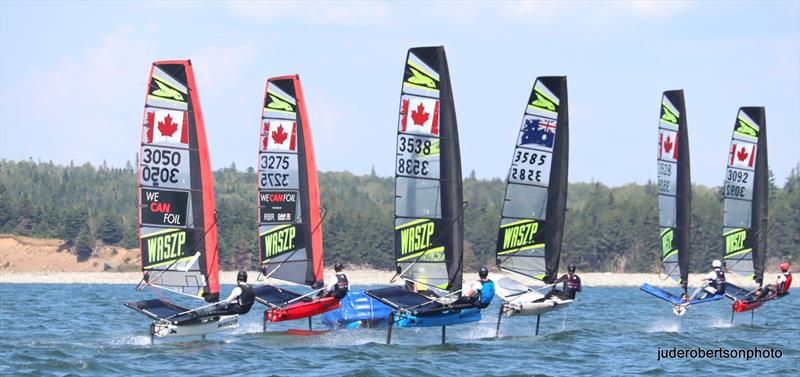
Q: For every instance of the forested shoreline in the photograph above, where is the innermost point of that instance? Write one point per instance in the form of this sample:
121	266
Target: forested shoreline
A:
607	229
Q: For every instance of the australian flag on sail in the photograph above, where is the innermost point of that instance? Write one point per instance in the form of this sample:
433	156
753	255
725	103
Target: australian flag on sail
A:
539	131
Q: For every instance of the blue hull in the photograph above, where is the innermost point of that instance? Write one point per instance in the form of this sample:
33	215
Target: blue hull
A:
446	318
674	300
358	310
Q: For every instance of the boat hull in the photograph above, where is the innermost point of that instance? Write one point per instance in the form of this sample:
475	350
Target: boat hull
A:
301	310
201	326
511	309
740	306
445	318
358	310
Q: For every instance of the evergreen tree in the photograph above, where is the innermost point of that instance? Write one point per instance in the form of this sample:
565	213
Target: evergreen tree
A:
84	244
110	229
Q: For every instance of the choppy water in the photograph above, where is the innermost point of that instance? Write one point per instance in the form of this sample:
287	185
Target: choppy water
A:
86	330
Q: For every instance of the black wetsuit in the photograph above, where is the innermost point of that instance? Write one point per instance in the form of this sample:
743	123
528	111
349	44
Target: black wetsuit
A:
572	285
243	302
342	286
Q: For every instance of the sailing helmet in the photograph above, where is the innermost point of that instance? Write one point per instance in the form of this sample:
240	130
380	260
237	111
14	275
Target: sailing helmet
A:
483	272
716	263
241	276
571	268
338	267
784	266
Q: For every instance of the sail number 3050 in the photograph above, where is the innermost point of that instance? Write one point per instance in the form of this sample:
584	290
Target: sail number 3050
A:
166	169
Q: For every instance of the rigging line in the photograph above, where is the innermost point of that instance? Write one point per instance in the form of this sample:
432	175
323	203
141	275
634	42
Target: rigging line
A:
460	216
265	277
203	238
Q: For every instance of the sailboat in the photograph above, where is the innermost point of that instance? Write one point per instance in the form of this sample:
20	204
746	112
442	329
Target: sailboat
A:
289	213
429	224
674	200
745	207
177	221
534	207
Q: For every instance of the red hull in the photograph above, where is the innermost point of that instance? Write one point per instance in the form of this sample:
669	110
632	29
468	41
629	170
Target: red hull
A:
302	310
746	306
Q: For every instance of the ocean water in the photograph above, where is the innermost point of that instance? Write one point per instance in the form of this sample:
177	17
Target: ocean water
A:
58	330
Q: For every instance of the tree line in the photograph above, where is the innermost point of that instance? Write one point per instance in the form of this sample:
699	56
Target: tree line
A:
606	228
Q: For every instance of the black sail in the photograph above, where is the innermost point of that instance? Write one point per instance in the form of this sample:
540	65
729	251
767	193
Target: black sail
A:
746	194
674	186
532	223
429	224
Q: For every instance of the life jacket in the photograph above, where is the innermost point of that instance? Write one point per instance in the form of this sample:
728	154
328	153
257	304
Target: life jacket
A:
784	287
573	283
486	294
342	286
246	299
719	282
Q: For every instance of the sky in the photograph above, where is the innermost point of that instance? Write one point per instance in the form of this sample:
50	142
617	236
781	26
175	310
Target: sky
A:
73	76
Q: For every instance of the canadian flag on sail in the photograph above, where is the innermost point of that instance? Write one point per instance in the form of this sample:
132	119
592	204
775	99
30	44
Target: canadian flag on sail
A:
742	155
667	145
166	126
420	115
277	135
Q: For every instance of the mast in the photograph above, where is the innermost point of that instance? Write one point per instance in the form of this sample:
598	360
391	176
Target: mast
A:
290	229
746	194
429	223
532	222
674	186
177	233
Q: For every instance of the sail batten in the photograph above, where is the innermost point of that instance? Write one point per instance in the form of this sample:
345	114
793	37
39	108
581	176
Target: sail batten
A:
674	186
428	188
178	235
531	226
290	229
745	193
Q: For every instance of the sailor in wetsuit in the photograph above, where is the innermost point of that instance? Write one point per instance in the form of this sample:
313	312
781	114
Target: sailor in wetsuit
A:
781	286
339	287
241	297
713	284
480	293
572	285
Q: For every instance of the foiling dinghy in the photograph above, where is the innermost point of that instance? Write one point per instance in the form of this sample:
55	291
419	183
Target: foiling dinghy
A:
745	209
532	222
429	224
674	201
289	214
177	222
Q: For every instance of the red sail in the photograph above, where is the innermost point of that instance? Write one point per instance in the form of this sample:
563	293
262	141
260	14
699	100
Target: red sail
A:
290	229
178	235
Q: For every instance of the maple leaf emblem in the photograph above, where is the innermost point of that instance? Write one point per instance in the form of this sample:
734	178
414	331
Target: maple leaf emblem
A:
667	145
419	116
167	128
279	135
742	154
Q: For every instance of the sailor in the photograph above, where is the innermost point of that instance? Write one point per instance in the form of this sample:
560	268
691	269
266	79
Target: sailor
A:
481	292
572	285
338	289
241	298
782	283
714	282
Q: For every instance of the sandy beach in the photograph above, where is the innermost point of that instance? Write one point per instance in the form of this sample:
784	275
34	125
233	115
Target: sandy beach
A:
356	276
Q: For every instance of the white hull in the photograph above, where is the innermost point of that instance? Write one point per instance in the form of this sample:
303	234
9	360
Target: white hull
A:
519	300
164	329
516	308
